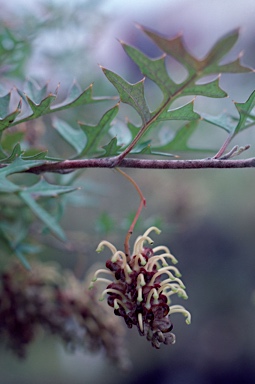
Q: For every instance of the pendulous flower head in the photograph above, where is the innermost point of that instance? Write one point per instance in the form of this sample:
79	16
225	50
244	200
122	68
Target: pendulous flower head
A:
140	288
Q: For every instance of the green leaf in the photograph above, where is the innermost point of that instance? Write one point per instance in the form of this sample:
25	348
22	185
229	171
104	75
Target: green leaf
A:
94	133
10	118
154	69
112	148
234	67
174	47
18	165
4	105
211	89
223	121
180	141
73	136
43	188
40	102
185	112
132	94
43	215
219	50
16	152
76	98
43	107
244	110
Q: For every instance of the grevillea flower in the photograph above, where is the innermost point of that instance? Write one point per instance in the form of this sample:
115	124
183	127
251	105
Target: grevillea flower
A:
141	287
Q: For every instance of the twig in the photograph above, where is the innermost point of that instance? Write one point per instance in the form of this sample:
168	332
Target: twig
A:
72	165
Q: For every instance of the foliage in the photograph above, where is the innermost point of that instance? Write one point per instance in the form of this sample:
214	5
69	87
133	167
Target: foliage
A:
25	195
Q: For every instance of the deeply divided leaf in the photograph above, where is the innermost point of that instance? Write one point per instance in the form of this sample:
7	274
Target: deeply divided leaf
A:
195	83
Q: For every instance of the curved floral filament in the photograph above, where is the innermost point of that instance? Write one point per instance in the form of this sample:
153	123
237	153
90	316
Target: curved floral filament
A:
103	243
126	267
100	279
119	255
169	284
173	280
117	303
163	271
167	252
154	260
180	309
149	230
138	246
153	292
179	291
138	258
100	271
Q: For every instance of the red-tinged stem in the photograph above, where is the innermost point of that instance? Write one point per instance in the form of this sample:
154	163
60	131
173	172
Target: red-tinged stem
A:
141	205
72	165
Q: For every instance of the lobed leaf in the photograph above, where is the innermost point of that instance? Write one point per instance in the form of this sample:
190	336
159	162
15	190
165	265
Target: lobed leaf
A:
112	148
211	89
132	94
174	47
94	133
244	110
154	69
186	112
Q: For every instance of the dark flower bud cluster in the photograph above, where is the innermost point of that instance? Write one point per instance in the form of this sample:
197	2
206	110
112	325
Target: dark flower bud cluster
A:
56	301
141	286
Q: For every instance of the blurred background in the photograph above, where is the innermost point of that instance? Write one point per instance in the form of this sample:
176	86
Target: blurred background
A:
207	217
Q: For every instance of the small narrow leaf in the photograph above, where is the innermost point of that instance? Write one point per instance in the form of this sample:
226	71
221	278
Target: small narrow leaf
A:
35	91
112	148
73	136
74	99
211	89
185	112
234	67
43	188
132	94
9	119
43	215
94	133
244	110
18	165
221	48
43	107
16	152
4	105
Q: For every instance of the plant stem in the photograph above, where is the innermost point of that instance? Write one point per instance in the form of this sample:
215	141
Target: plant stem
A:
72	165
141	205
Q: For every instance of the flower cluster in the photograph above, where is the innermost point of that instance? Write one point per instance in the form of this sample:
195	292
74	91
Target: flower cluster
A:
56	301
137	290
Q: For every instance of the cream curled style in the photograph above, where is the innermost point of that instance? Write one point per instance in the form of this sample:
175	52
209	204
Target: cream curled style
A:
141	286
